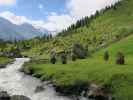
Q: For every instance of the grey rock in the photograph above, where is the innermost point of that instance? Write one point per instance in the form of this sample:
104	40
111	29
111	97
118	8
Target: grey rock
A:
4	95
39	89
2	66
19	97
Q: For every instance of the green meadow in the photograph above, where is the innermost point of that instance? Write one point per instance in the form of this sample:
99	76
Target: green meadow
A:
4	60
110	30
94	70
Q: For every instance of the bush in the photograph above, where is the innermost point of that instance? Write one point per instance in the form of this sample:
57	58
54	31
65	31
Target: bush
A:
120	59
53	57
79	51
73	57
106	56
53	60
63	58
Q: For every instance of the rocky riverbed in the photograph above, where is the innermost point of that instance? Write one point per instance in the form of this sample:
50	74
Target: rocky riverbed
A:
15	85
19	86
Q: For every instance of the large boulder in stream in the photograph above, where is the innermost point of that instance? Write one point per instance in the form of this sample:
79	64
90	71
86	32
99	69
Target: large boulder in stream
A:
2	66
4	95
19	97
39	89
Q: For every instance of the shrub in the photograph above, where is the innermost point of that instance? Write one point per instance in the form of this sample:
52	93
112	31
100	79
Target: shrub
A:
63	58
106	55
73	57
120	59
53	57
79	51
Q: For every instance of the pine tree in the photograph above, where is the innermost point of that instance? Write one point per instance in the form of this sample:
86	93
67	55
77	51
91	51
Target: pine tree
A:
120	59
63	58
106	56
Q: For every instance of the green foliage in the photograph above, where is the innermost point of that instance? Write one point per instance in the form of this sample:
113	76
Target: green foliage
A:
106	56
53	58
4	60
95	70
79	51
73	56
120	58
107	26
63	58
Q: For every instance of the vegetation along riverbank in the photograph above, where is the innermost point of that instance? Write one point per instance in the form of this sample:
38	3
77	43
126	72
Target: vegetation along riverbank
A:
96	52
118	78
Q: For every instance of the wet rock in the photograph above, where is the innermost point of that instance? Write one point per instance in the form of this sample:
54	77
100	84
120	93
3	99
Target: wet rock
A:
97	93
74	97
4	96
75	89
39	89
2	66
47	83
19	97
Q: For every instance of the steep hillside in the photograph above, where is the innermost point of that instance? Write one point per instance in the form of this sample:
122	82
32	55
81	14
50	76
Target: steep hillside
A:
110	30
105	27
94	69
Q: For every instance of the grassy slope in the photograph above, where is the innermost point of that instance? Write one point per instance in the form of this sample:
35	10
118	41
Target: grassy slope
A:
4	60
94	69
107	24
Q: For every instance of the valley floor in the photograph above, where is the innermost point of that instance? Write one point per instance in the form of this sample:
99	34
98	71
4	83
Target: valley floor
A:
93	70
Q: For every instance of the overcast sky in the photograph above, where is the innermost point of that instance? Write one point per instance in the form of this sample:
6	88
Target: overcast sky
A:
53	15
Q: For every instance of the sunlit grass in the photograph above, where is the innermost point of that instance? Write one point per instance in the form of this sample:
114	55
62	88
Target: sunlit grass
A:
4	60
95	69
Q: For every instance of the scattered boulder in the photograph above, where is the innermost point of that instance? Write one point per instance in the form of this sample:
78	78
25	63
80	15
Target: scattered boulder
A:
39	89
19	97
2	66
4	95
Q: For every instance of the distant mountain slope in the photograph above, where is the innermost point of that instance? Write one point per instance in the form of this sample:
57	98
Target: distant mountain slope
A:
9	31
28	31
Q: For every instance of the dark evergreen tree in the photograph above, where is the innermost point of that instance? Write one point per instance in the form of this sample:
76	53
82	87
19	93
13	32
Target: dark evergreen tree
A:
79	51
106	55
53	57
85	21
74	57
63	58
120	59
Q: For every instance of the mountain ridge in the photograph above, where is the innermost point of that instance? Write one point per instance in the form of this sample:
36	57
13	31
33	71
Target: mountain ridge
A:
10	31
